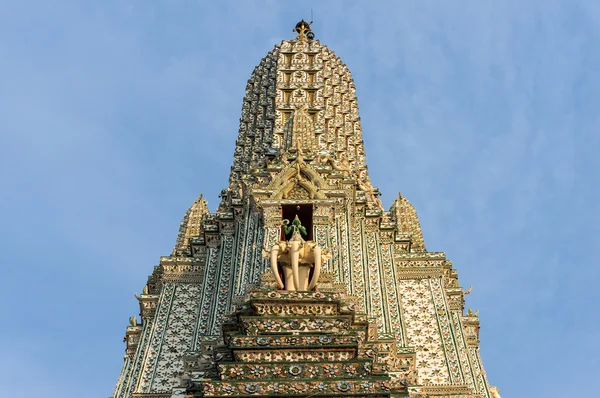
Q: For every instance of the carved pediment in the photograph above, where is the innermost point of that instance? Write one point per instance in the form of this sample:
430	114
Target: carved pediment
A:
297	181
297	192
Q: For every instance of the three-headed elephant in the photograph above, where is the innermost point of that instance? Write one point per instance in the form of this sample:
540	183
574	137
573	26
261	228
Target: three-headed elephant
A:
296	259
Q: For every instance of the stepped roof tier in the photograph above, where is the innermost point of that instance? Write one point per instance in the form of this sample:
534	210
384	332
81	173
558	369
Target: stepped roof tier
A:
301	283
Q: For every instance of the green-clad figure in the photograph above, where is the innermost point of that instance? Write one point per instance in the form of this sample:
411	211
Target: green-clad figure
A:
295	228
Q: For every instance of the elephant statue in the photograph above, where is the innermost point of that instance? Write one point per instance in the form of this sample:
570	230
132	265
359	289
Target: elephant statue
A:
296	258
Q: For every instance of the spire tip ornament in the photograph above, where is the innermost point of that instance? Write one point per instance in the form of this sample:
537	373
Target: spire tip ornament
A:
303	30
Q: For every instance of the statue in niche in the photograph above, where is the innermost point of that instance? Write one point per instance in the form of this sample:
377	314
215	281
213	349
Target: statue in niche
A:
298	260
296	228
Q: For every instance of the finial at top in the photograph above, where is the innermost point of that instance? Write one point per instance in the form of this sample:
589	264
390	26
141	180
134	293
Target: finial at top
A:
303	31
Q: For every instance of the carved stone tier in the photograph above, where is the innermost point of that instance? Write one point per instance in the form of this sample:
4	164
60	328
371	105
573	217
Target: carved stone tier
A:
301	344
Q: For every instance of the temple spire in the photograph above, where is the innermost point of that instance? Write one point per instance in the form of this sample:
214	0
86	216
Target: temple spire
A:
301	283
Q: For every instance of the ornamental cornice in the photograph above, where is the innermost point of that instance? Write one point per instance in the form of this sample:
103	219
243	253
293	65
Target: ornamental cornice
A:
419	273
373	213
386	237
456	298
180	260
148	304
132	339
213	239
420	256
471	328
421	264
279	202
449	390
228	227
182	269
387	225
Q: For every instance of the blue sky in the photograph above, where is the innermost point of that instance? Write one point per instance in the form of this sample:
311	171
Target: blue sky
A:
115	115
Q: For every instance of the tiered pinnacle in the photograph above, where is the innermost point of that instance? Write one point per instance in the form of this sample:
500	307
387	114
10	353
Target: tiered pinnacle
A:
300	86
301	284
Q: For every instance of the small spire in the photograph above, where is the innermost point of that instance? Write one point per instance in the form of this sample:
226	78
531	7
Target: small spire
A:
303	31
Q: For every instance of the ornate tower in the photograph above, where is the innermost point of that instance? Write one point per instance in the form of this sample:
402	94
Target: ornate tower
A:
302	284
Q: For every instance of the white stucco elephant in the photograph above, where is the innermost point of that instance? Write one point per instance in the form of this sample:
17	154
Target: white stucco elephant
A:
296	257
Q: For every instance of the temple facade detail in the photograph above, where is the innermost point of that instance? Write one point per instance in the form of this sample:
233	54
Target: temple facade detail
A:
301	283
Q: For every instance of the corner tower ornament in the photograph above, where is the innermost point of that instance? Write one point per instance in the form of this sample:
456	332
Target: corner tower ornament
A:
301	283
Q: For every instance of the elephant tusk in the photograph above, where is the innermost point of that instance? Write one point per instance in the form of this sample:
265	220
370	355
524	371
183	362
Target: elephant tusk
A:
274	253
294	258
317	270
